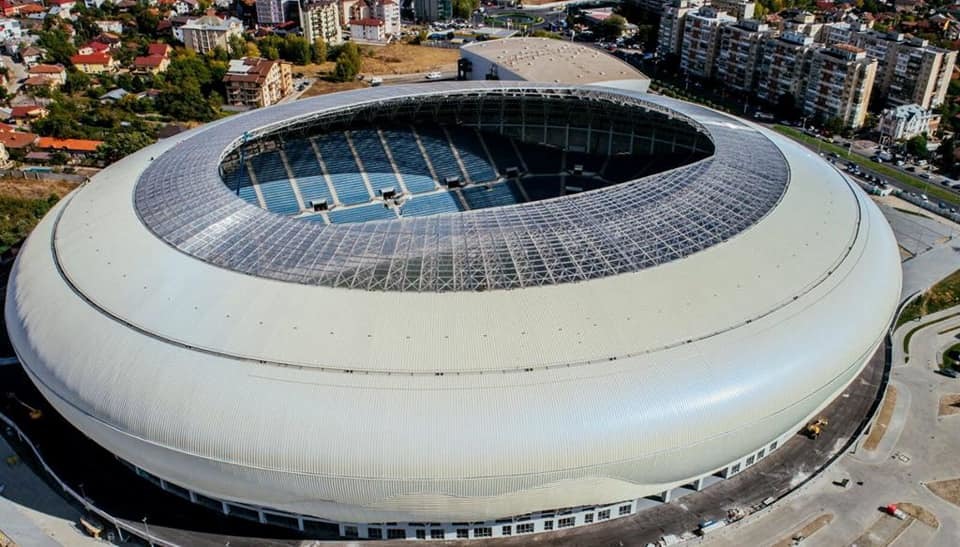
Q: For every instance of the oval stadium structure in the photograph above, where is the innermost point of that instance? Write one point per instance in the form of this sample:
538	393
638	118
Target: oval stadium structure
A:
453	309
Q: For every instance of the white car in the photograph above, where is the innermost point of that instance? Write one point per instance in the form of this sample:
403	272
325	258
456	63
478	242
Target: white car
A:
434	76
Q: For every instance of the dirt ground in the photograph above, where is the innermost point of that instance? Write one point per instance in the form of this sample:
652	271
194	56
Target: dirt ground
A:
33	189
395	59
947	489
920	514
883	419
949	405
322	87
807	530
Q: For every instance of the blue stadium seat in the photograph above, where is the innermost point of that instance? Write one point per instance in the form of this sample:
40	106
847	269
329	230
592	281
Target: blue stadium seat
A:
306	169
274	183
582	184
365	213
241	177
431	204
343	170
439	152
504	156
409	160
472	154
375	162
481	197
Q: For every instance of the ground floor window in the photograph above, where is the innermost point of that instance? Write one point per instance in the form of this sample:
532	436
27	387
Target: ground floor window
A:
463	533
566	522
548	525
505	531
588	518
483	532
436	534
525	528
603	515
624	510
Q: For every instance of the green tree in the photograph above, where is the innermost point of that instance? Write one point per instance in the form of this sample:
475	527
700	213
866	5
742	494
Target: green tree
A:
917	146
611	27
948	155
119	145
296	49
348	63
237	46
318	53
57	44
463	8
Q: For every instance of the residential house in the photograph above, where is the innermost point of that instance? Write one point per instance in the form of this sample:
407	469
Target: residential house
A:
94	63
23	115
11	139
93	4
370	30
155	61
110	26
255	82
55	72
907	121
31	55
75	148
10	30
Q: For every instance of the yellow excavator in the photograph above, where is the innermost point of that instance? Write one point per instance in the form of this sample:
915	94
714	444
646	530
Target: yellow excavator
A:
816	427
33	413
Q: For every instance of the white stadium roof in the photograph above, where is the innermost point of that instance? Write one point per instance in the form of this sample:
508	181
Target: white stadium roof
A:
241	381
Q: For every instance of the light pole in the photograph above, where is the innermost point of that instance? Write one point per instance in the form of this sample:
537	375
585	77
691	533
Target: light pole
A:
147	530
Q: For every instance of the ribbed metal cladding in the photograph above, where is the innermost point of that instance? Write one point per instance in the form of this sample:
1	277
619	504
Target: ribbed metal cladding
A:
614	230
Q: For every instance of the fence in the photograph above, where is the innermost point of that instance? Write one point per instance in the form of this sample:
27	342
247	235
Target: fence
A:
120	525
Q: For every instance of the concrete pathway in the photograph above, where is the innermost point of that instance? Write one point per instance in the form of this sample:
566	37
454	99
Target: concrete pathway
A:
31	513
917	448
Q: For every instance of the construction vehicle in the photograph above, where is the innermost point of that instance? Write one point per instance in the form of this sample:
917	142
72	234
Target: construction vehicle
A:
33	413
816	427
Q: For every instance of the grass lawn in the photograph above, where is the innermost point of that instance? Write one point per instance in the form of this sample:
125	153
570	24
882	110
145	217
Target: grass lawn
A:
941	296
932	190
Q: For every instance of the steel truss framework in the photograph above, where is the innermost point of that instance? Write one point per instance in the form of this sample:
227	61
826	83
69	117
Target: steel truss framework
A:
624	228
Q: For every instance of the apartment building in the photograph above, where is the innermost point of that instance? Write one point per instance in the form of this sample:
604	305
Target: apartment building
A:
907	121
784	64
739	9
670	33
910	70
274	12
738	56
208	32
701	38
919	74
839	84
254	82
321	19
433	10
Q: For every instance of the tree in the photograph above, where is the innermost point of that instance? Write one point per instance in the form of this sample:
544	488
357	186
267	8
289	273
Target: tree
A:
348	63
318	53
237	46
252	49
119	145
611	27
917	146
948	155
463	8
58	45
296	49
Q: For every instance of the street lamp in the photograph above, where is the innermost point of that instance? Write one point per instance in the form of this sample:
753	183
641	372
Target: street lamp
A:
147	530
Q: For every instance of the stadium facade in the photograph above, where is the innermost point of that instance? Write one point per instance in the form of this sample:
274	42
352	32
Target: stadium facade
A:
452	310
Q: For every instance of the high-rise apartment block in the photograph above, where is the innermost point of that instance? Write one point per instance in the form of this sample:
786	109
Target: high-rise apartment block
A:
701	39
739	53
321	19
839	84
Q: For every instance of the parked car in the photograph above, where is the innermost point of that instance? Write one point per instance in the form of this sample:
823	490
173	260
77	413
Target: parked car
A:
434	75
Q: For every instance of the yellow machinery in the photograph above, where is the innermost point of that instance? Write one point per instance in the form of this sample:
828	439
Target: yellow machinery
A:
33	413
816	427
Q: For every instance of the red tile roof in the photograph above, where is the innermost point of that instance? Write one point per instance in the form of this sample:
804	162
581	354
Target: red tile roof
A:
72	145
92	59
149	61
16	139
158	49
46	69
26	111
368	22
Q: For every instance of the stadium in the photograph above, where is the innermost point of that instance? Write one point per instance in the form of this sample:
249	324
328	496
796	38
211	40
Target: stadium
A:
453	310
